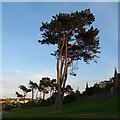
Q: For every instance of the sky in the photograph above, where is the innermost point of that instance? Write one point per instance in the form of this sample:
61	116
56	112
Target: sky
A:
24	59
60	0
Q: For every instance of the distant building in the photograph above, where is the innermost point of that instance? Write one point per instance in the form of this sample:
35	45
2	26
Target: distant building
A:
109	87
86	86
116	83
96	85
103	84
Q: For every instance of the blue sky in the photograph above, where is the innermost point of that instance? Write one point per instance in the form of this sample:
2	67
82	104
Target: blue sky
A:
25	59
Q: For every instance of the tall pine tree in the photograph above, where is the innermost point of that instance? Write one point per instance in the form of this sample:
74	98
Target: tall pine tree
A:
76	39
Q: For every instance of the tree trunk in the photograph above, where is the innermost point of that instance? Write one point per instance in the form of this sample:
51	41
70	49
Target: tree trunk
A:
61	74
58	102
37	95
40	95
24	99
50	96
43	95
32	94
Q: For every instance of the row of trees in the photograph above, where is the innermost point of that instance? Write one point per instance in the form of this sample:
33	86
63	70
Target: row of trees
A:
45	86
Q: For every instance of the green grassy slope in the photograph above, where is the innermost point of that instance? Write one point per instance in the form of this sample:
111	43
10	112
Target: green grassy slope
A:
79	109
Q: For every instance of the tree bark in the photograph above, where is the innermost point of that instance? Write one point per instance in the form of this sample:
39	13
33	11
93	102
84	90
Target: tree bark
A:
58	102
61	74
24	98
43	95
40	96
37	95
32	94
58	97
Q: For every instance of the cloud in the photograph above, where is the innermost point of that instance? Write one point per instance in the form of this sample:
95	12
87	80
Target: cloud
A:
10	84
19	72
38	76
23	75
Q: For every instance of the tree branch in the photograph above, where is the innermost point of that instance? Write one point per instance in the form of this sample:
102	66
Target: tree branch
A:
72	29
73	57
65	59
74	43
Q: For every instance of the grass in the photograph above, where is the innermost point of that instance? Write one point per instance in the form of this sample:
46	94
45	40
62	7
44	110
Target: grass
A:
105	108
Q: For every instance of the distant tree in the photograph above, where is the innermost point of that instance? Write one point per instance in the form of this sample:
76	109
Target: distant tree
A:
33	86
25	90
68	89
40	89
44	86
19	95
78	94
76	39
52	86
70	97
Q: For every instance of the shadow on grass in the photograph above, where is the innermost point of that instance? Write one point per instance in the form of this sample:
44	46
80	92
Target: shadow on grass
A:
60	118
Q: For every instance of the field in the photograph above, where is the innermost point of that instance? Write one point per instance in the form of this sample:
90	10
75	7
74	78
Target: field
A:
105	108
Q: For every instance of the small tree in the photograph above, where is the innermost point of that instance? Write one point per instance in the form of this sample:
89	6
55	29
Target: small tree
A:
25	90
76	39
68	89
19	95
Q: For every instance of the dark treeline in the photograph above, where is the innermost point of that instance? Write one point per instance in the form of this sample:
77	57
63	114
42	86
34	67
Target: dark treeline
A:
45	92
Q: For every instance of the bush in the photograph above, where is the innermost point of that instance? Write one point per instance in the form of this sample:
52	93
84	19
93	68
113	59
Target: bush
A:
31	104
8	106
70	98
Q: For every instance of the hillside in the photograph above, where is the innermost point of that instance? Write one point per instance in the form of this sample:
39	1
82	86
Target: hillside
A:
105	108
